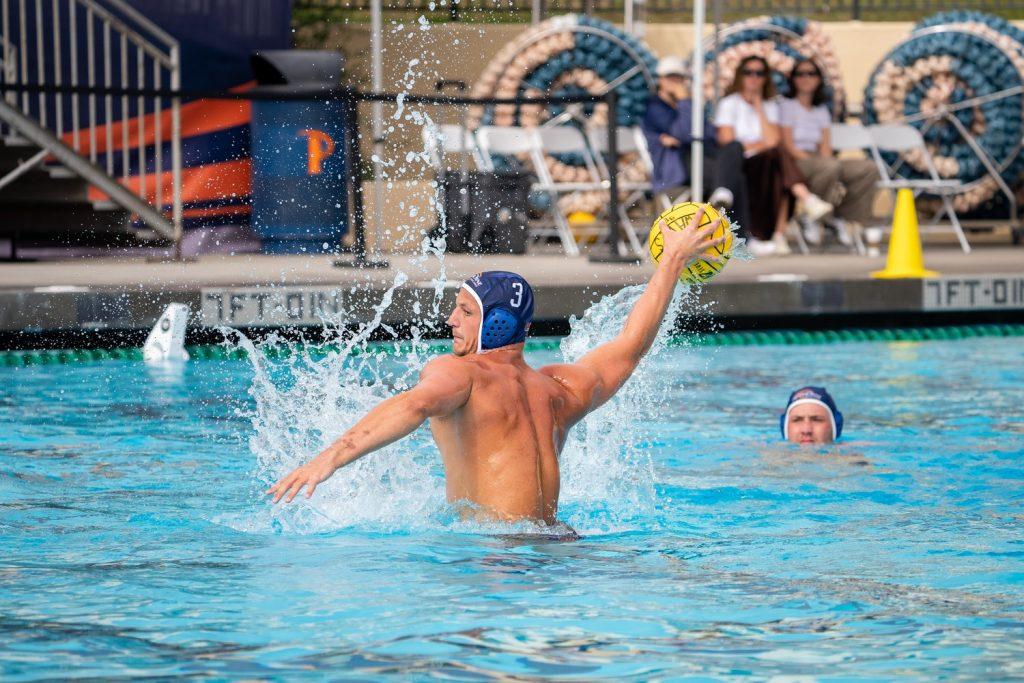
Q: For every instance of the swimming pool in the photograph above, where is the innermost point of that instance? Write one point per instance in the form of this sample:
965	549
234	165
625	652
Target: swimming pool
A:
136	541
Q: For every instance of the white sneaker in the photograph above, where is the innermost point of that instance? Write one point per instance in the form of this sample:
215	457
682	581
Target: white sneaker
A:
812	232
781	245
814	208
721	198
760	248
842	233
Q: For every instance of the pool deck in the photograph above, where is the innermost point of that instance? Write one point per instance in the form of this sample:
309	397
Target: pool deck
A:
88	295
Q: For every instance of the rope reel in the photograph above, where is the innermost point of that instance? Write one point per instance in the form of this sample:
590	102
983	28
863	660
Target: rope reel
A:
781	41
950	58
570	55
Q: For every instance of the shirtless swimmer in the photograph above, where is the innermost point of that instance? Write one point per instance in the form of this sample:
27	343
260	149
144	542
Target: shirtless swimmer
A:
498	423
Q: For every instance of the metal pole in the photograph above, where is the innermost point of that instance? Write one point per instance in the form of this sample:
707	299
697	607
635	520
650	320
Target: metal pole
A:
57	68
697	97
716	69
176	208
464	151
536	12
613	255
613	170
355	174
377	78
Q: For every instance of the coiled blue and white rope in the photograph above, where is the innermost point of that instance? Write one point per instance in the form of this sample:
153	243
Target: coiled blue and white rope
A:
950	59
781	41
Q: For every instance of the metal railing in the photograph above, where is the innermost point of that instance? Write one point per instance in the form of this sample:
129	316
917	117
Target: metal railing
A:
669	10
129	147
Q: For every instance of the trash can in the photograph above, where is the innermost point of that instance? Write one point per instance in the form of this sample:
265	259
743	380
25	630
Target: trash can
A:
496	222
299	189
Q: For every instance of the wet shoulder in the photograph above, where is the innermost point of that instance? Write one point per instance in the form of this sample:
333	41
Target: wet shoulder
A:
572	381
449	365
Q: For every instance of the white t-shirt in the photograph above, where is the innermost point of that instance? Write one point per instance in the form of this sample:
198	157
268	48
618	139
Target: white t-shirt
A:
807	124
735	112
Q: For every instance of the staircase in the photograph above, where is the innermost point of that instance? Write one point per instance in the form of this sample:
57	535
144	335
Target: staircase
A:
49	204
82	162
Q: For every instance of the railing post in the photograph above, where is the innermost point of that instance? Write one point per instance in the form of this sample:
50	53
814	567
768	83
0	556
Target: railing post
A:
23	48
536	11
355	159
42	116
613	169
355	175
855	9
614	228
176	218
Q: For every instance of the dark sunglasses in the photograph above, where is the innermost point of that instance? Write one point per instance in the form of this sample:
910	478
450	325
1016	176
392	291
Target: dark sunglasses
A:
754	72
806	73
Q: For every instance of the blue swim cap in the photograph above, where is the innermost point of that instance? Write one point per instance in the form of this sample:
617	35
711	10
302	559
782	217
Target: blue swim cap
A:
506	307
819	396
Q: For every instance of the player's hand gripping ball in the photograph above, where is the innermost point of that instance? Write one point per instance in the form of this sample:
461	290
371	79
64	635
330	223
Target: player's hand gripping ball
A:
700	269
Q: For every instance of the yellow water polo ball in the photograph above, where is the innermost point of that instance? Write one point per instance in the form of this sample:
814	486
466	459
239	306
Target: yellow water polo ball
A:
701	269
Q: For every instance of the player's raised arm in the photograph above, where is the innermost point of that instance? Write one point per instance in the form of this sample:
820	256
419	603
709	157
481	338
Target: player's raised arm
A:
605	369
444	386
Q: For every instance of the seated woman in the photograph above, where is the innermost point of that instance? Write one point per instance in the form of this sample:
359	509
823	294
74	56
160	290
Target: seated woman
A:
848	184
749	113
667	129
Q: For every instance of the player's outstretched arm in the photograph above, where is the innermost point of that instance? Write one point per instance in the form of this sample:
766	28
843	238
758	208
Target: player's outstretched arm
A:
603	371
444	386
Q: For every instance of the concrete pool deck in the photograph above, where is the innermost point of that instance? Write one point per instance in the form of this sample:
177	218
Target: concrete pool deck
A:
86	296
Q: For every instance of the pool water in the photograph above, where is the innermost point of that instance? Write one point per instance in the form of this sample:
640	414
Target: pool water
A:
136	541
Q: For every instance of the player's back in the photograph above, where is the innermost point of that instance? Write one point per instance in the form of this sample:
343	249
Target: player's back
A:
500	449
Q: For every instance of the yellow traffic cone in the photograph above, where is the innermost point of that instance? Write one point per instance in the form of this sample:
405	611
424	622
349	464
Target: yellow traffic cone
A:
904	259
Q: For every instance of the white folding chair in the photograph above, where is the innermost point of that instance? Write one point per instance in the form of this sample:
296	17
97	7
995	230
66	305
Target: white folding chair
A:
908	139
629	140
853	136
512	141
569	140
442	139
846	136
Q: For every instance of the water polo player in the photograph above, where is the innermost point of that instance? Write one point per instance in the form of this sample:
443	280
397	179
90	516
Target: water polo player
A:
498	423
811	417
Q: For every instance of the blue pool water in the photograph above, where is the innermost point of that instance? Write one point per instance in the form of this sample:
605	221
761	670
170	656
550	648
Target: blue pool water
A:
136	541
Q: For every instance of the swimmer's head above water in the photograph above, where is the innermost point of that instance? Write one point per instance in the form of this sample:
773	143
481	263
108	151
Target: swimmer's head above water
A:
492	309
811	417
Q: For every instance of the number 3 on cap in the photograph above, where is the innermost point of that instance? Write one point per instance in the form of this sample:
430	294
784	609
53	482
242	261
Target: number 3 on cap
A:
518	286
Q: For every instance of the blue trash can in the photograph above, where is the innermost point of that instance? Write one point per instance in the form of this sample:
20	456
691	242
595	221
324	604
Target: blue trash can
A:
300	198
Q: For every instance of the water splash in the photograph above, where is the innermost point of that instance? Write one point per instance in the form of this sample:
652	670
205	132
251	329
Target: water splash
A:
607	473
304	401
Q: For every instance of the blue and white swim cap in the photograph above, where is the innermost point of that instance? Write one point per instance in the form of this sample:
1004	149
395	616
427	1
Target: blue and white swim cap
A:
818	396
506	307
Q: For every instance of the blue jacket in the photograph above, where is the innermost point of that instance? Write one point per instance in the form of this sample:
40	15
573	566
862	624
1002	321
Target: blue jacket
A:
660	118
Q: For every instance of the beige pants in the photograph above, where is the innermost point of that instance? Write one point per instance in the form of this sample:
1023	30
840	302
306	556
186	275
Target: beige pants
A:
847	184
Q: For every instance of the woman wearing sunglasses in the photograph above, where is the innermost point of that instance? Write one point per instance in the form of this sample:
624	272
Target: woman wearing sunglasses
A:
846	183
667	126
749	113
